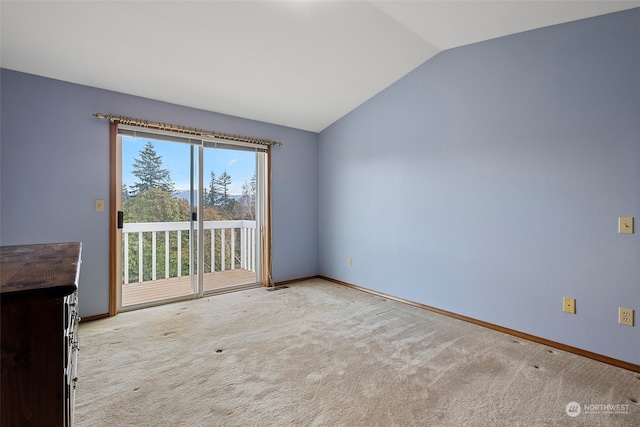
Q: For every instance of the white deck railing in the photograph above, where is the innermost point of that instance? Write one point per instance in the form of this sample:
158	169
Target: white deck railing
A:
222	236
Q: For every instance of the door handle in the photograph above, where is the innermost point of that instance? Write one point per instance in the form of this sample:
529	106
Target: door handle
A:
120	219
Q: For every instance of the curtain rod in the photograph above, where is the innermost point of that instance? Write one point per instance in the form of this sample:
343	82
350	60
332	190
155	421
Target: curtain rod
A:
185	130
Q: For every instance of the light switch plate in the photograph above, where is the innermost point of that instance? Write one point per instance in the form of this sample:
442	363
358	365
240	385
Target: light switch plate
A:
625	225
99	205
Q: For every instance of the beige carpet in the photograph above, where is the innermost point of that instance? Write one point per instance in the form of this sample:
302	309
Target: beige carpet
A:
320	354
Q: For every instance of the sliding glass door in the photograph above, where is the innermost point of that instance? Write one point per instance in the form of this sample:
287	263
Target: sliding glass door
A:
191	214
229	220
158	197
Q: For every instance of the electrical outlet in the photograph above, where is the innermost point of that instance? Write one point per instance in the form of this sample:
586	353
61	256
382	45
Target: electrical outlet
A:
569	305
349	263
625	316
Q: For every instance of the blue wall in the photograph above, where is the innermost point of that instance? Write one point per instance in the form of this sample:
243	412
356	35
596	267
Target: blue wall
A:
55	163
489	180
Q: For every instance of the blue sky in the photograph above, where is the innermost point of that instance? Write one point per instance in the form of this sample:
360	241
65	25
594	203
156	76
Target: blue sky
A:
240	165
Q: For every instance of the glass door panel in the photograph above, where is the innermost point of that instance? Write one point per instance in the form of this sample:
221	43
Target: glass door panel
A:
230	231
158	197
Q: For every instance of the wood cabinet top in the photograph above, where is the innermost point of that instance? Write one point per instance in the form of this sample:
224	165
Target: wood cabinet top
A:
49	270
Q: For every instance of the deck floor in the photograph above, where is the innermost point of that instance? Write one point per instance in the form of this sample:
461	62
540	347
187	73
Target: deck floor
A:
155	290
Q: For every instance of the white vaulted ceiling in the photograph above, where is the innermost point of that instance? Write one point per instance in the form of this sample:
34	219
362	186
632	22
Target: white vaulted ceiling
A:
302	64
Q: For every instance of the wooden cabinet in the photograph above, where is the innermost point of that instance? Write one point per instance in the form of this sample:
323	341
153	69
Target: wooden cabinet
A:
38	333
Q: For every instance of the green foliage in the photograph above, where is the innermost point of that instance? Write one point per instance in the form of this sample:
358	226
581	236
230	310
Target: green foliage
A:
247	205
217	196
155	205
161	261
212	194
223	184
148	169
151	200
125	192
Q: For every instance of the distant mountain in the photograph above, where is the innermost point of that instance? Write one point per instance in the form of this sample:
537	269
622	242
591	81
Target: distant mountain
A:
184	195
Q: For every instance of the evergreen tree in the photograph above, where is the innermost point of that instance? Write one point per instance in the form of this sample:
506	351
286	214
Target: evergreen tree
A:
224	182
148	169
212	194
125	192
248	199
